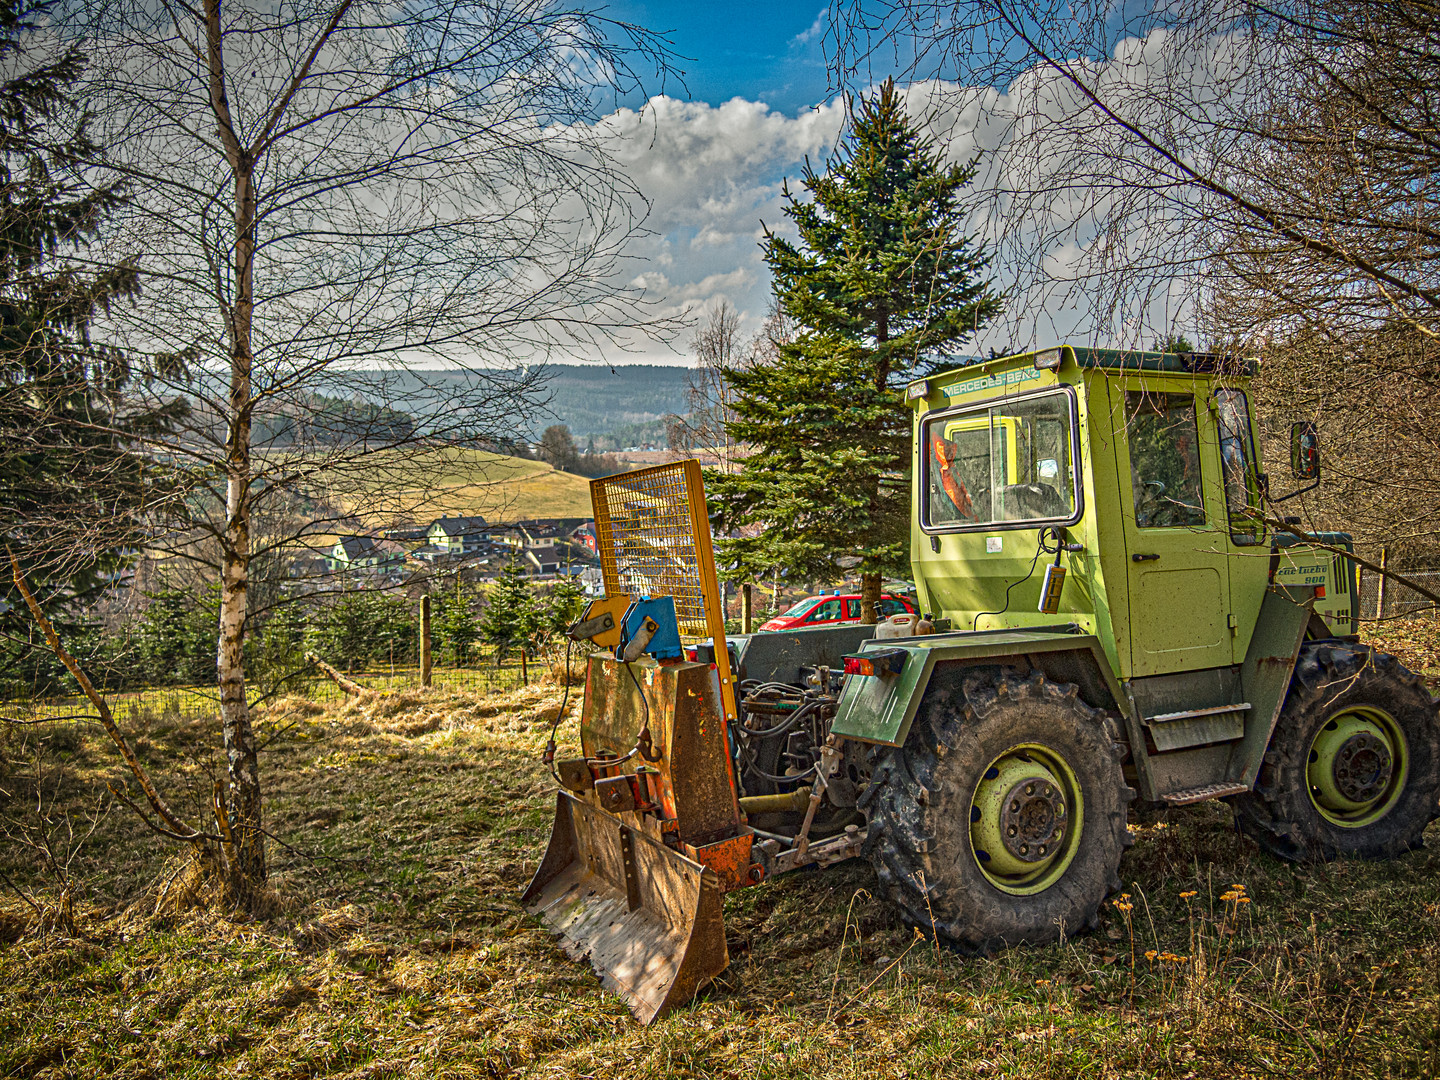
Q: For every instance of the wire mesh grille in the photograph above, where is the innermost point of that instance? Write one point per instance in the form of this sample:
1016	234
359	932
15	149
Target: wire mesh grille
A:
654	539
648	533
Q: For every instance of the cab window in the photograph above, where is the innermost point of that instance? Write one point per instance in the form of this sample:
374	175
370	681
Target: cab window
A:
1164	459
1237	465
890	606
1006	462
826	612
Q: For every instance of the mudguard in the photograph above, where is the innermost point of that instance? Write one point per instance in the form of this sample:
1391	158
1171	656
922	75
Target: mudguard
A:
879	709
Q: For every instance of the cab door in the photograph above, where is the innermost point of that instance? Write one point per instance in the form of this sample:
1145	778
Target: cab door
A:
1176	534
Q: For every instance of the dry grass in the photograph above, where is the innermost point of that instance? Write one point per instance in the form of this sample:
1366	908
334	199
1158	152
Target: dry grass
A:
457	481
1415	639
417	817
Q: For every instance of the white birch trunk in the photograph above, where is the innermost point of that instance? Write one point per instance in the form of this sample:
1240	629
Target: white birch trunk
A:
243	799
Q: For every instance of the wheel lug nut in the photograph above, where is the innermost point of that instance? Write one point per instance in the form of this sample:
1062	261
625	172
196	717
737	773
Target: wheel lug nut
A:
1012	831
1042	849
1029	789
1014	806
1024	849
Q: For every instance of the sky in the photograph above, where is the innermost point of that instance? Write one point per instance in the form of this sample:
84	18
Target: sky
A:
759	52
711	156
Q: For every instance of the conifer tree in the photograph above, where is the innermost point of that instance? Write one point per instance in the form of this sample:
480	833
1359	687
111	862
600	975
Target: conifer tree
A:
73	482
882	284
511	618
563	606
458	626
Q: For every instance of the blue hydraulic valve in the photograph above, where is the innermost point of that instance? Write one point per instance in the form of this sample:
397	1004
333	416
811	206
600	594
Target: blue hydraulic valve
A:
650	627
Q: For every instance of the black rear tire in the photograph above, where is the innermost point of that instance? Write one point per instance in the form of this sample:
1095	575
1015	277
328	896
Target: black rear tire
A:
1391	774
924	795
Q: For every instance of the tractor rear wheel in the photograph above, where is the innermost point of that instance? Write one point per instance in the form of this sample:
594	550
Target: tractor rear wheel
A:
1002	818
1353	766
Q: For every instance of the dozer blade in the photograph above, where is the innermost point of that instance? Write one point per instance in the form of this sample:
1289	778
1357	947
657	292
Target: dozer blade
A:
649	919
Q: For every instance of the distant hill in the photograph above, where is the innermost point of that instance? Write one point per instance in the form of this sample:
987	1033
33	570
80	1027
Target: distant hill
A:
621	406
630	402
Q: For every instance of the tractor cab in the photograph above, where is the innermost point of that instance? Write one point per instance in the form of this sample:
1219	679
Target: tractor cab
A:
1136	470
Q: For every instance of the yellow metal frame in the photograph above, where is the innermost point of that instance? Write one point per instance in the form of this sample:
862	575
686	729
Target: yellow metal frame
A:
653	534
1009	424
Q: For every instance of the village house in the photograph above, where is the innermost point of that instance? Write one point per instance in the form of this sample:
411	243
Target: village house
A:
456	535
352	553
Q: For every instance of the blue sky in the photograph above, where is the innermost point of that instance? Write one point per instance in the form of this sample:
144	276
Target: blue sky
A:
760	52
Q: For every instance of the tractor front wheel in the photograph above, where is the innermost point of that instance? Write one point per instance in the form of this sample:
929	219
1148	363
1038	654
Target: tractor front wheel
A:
1353	766
1002	818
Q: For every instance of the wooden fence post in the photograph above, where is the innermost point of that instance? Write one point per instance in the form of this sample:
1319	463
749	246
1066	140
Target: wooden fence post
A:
1380	585
747	608
425	641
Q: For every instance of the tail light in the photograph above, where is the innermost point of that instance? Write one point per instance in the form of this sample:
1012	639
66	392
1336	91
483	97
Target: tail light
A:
884	662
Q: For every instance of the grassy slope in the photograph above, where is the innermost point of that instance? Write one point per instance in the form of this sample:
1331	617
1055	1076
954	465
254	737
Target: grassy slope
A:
461	482
408	956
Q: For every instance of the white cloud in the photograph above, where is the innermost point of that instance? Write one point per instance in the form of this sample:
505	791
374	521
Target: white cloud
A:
712	174
815	31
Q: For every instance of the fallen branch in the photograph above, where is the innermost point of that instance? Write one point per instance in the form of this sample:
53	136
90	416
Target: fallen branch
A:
350	686
15	720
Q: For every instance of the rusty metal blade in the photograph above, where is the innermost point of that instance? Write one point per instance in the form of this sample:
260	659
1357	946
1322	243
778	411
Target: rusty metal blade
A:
649	920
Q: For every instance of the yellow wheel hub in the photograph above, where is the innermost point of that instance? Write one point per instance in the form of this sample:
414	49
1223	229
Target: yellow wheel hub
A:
1025	819
1356	767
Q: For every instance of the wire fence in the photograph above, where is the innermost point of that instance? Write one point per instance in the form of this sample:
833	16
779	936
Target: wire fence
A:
176	701
1395	599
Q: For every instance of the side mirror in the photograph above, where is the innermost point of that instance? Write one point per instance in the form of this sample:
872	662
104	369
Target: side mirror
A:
1305	450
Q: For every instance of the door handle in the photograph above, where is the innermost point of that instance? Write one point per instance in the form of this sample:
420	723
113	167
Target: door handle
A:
1143	558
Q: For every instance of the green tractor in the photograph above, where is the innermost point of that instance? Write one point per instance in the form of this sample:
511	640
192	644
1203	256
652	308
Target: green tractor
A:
1116	616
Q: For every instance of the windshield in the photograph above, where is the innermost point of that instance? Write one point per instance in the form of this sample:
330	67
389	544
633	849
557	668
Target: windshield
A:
799	608
999	463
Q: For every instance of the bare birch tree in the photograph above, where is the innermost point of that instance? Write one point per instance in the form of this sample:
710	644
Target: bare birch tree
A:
326	191
718	345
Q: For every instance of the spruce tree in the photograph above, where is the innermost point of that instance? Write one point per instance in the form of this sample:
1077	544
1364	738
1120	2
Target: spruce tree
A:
563	606
74	485
511	618
457	624
882	284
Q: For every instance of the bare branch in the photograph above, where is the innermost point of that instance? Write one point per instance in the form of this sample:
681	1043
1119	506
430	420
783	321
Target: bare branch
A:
180	830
